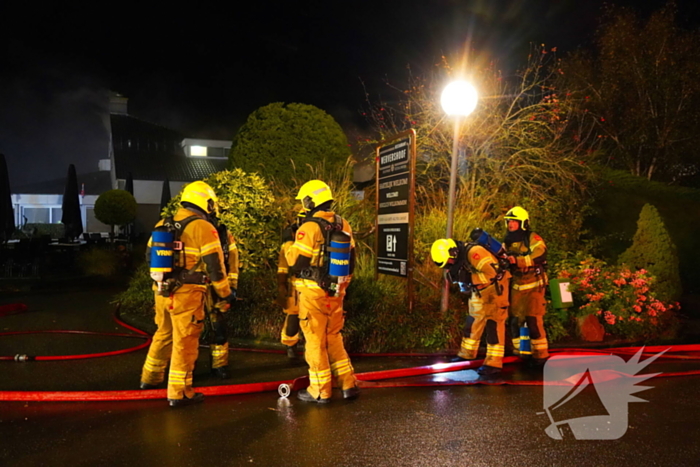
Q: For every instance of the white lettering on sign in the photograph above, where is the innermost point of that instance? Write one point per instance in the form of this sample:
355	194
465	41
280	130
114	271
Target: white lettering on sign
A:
399	218
393	194
388	204
393	183
393	157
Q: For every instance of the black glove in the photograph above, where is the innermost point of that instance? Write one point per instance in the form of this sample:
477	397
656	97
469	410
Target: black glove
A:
231	299
227	302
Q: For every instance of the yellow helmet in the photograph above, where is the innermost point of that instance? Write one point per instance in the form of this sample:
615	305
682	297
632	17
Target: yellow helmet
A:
314	193
443	251
518	214
201	195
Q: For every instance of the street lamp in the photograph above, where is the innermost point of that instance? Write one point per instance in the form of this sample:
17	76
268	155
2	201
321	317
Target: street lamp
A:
458	100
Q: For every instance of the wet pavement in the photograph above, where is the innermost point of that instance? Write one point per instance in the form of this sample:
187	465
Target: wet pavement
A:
403	426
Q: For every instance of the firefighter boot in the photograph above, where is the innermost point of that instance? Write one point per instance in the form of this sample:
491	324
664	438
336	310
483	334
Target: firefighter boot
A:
197	398
147	386
304	395
486	370
536	362
221	372
351	393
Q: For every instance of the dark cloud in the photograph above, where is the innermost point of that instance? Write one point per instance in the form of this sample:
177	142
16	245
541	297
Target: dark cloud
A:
50	117
203	70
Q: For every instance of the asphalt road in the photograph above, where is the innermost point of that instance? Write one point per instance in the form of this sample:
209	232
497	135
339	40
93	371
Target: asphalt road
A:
422	426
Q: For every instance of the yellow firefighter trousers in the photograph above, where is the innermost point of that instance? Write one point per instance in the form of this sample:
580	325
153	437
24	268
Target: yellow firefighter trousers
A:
488	306
219	355
530	303
219	352
321	320
180	319
292	308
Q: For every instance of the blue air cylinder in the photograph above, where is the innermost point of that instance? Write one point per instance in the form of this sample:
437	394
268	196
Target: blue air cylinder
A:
339	255
161	254
525	348
487	241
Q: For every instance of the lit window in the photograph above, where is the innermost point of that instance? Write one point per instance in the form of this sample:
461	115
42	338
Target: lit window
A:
198	151
37	215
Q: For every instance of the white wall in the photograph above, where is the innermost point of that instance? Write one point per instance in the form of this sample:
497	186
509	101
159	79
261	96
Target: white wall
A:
87	204
149	192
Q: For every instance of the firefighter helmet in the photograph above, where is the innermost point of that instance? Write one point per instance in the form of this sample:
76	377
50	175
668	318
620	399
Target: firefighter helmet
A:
313	194
443	251
201	195
518	214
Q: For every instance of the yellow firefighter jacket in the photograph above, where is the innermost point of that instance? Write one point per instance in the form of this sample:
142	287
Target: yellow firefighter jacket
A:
525	271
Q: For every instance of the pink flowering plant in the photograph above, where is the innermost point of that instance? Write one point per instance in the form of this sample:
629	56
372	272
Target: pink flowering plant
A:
624	300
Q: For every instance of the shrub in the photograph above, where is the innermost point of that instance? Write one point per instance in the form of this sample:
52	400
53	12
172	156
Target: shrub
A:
138	300
115	207
281	140
624	300
40	230
249	210
652	249
619	200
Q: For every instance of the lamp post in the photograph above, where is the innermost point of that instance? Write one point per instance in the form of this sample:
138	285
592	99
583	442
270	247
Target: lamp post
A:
458	100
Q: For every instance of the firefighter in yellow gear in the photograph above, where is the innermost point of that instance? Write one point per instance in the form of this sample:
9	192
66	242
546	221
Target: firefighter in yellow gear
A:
478	273
179	298
321	293
287	296
528	254
218	342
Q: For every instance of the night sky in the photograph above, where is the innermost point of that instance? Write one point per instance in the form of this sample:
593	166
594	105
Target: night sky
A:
202	70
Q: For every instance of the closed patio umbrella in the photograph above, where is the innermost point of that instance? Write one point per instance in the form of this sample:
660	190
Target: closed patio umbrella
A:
165	194
72	218
129	185
7	214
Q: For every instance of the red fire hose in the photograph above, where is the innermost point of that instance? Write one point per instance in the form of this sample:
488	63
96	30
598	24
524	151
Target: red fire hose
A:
23	358
367	380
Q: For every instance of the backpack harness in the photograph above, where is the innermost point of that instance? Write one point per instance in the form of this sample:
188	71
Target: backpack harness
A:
179	275
335	263
501	266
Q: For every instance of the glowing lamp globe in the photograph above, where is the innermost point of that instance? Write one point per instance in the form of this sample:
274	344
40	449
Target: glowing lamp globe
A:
459	98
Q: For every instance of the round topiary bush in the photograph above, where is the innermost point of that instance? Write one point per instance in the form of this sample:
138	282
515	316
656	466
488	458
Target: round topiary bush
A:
282	141
115	207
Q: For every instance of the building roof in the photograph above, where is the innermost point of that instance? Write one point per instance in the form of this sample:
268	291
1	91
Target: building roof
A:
95	183
153	152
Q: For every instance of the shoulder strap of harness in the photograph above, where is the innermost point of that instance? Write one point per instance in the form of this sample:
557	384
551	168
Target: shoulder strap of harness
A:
501	266
223	238
179	227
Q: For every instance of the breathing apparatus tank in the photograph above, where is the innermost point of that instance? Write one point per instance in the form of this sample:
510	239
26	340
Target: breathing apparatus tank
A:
162	254
482	237
339	254
525	348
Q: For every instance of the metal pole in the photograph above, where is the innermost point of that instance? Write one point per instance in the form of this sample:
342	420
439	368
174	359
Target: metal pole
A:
444	303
